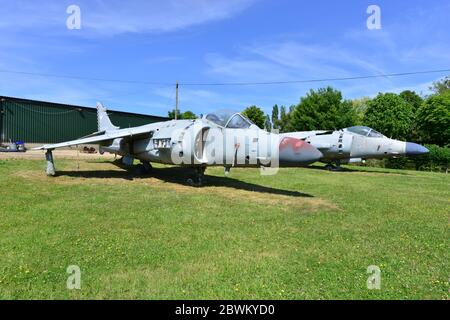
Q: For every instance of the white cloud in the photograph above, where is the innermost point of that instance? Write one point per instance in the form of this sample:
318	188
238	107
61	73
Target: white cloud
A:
244	68
29	28
115	17
315	60
201	100
289	60
160	16
407	46
161	59
32	29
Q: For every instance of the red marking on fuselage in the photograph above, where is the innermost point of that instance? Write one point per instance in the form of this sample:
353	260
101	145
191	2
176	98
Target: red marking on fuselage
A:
293	143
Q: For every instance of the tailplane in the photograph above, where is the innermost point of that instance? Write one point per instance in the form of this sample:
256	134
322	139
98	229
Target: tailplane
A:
104	123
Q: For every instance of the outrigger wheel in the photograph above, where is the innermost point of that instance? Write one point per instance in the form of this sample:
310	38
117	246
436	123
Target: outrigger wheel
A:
50	163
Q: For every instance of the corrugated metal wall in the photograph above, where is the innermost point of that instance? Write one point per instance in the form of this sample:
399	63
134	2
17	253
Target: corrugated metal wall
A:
43	122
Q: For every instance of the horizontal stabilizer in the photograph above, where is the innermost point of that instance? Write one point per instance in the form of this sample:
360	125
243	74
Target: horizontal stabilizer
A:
122	133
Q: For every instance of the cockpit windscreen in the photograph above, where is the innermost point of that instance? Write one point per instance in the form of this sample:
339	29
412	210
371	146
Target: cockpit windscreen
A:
229	119
365	131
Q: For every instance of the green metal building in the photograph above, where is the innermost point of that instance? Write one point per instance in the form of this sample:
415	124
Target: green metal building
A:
33	121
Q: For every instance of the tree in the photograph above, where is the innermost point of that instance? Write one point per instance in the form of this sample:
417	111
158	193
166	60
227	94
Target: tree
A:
188	115
360	107
433	119
412	99
322	109
256	115
284	124
275	119
437	158
441	86
284	119
185	115
171	114
391	115
415	101
268	123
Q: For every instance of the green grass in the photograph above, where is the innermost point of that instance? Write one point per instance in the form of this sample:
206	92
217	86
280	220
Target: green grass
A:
301	234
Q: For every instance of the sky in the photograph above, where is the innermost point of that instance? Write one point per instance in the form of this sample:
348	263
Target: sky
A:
153	44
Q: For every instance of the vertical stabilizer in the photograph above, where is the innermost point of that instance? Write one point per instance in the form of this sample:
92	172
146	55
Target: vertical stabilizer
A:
104	123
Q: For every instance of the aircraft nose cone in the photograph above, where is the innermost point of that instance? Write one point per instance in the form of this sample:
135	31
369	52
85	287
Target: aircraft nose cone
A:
414	149
315	154
295	151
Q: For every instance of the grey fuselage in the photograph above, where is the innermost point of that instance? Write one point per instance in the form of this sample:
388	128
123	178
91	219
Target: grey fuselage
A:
345	145
223	138
201	142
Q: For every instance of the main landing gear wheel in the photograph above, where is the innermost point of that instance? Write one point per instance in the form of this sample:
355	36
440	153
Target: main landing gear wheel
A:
199	177
147	166
332	167
143	168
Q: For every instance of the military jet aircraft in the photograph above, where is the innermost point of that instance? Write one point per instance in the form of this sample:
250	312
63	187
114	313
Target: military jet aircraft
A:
223	138
356	144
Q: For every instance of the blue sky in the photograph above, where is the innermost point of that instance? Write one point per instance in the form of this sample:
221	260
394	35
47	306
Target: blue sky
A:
217	41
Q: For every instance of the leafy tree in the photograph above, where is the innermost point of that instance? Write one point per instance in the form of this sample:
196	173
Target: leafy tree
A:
441	86
284	124
437	158
256	115
323	109
360	106
171	114
275	119
390	114
284	119
433	119
396	163
188	115
268	123
415	101
412	99
184	115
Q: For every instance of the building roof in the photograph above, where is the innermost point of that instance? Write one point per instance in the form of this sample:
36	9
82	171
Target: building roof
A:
63	105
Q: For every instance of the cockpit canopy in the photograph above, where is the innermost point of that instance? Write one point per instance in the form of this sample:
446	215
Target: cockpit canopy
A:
365	131
229	119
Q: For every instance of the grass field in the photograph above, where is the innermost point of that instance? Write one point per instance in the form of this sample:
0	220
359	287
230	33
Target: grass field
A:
301	234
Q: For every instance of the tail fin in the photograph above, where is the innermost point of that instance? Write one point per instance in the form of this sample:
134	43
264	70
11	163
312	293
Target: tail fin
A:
104	123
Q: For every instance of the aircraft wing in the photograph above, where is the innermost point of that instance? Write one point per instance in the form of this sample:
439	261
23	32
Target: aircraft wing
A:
132	133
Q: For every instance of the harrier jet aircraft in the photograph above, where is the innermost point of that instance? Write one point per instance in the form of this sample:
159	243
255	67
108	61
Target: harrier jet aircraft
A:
222	138
356	144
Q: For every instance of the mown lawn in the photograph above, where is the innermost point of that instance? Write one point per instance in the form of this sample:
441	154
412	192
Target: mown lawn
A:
301	234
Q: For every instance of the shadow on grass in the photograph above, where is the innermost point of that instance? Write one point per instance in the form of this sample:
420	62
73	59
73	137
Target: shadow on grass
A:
362	170
180	175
